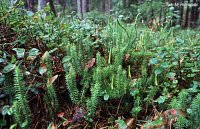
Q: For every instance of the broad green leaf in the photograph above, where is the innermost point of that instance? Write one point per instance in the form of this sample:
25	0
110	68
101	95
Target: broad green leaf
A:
195	70
196	83
189	64
165	65
27	73
171	75
42	69
159	70
175	81
33	52
191	75
10	111
66	66
2	60
120	16
20	52
136	110
153	61
13	126
106	97
193	89
24	124
13	60
66	59
1	79
179	40
175	63
9	68
5	110
161	54
171	8
178	26
189	111
134	92
161	99
121	123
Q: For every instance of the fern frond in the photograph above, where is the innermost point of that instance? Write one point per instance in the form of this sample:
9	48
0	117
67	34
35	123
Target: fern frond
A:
175	103
121	83
72	86
136	107
144	69
97	76
75	57
181	123
180	102
195	114
152	90
182	98
86	81
107	71
100	60
150	80
50	97
94	99
95	91
22	110
118	56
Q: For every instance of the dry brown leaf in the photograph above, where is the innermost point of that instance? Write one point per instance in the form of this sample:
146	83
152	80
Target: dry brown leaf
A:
45	56
65	123
127	57
130	123
170	116
31	58
90	63
61	114
52	79
53	126
42	68
175	112
181	60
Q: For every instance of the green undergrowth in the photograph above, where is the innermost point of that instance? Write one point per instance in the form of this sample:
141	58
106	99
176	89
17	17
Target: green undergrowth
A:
118	68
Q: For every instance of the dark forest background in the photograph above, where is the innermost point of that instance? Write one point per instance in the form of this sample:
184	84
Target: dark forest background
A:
183	12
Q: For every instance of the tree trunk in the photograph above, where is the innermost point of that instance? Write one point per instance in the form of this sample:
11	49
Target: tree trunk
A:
195	13
85	6
181	13
29	5
13	2
186	15
189	14
41	4
52	7
64	5
32	5
198	16
79	8
106	6
124	3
